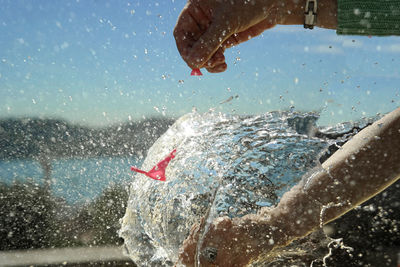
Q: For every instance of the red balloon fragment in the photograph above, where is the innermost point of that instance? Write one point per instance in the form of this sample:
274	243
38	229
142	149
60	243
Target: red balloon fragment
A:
158	171
196	72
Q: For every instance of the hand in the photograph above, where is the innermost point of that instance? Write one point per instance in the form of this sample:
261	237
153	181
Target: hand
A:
228	242
205	28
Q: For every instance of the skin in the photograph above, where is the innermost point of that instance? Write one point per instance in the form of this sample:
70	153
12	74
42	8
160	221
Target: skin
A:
365	166
205	28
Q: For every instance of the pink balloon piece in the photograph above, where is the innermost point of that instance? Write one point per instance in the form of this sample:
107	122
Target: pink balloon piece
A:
158	171
196	72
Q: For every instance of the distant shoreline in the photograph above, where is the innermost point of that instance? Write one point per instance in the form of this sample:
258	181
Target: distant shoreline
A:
46	139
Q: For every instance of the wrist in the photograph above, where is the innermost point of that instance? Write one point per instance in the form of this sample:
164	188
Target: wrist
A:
291	12
296	215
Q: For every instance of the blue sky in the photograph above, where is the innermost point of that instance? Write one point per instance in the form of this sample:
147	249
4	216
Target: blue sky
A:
99	63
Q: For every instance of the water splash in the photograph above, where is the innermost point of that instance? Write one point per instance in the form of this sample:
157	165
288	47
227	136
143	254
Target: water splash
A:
246	162
334	244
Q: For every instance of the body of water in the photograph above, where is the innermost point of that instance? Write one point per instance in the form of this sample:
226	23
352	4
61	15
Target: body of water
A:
75	180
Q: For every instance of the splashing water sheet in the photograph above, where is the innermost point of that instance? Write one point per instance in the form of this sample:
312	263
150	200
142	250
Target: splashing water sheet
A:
227	165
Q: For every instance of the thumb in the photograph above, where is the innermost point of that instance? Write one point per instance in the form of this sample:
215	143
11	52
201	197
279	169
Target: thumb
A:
208	43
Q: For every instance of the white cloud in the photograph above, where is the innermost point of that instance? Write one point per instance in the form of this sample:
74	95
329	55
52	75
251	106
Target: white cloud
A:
344	41
394	48
388	48
352	43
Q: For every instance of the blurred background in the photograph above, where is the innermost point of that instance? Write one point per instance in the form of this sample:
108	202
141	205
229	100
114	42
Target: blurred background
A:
86	87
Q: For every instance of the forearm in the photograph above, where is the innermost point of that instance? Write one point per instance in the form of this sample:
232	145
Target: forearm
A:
365	166
362	168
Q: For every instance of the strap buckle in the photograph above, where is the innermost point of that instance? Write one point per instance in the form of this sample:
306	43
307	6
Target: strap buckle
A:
310	14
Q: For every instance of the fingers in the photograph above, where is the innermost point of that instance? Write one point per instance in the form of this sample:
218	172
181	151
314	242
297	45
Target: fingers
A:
225	240
216	236
202	18
226	243
216	63
188	250
207	45
198	39
249	33
191	25
202	32
185	32
218	69
216	59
